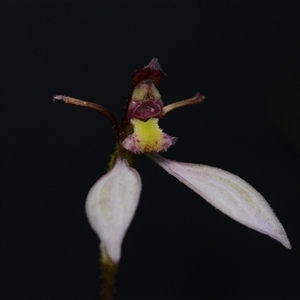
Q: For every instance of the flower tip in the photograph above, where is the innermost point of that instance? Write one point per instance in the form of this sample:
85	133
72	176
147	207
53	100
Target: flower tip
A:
151	72
199	97
153	64
283	239
287	244
57	97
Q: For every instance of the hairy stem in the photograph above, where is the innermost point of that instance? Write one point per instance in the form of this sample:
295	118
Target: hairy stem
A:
108	275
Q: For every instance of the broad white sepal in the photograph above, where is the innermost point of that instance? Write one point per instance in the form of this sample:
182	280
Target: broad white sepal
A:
111	204
230	194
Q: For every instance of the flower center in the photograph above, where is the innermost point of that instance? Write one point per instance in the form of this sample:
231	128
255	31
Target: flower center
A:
146	109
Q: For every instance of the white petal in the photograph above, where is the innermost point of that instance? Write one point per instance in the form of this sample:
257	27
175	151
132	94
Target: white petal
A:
230	194
111	204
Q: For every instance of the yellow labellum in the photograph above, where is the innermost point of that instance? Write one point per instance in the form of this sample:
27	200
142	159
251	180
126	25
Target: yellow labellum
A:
147	137
149	134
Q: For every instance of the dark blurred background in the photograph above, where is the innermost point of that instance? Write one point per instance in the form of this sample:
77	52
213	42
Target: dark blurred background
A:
244	57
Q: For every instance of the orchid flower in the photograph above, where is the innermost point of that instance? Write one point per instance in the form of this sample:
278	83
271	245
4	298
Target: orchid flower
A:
112	201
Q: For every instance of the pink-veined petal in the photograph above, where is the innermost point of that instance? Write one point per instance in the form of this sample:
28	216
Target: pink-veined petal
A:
111	204
230	194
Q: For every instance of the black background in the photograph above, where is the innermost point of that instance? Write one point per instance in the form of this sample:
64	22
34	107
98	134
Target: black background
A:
244	57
